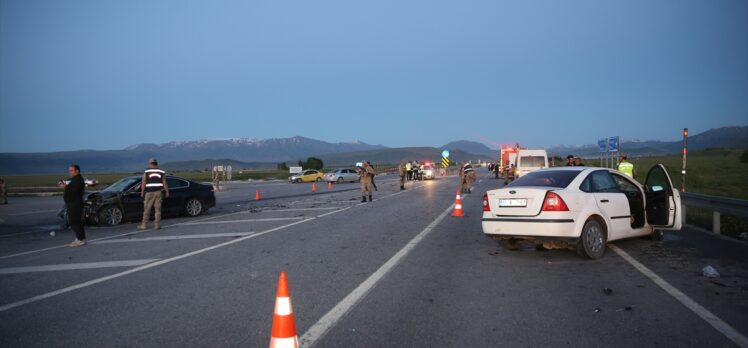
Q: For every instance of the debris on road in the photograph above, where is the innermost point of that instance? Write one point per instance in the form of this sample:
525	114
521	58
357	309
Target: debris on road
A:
52	233
627	309
710	272
607	291
598	310
743	236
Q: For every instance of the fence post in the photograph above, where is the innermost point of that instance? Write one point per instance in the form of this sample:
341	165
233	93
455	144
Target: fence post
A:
715	222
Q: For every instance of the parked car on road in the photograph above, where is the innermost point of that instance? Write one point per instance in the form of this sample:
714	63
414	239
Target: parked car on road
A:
529	161
121	201
341	175
429	172
582	208
308	175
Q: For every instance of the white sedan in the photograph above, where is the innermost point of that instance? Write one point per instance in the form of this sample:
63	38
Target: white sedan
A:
581	207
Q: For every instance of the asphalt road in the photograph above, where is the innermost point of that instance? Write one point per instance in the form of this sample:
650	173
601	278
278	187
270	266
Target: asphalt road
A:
397	272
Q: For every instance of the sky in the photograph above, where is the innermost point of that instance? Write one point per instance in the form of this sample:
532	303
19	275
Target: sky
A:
107	74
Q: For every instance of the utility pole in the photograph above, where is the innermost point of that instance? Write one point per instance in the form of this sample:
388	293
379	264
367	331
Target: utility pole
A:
685	152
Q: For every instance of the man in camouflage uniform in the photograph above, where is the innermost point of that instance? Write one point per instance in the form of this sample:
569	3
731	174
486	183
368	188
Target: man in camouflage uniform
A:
365	173
468	174
401	171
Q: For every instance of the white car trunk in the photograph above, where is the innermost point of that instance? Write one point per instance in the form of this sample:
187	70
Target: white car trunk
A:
520	201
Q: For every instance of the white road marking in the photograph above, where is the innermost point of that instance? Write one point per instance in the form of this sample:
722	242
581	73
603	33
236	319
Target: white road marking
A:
142	268
242	221
185	236
295	209
702	312
110	237
75	266
333	212
324	324
34	212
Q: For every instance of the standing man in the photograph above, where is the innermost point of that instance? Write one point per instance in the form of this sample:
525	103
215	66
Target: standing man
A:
365	173
578	162
570	160
401	172
151	187
409	170
216	180
73	197
469	177
3	192
626	167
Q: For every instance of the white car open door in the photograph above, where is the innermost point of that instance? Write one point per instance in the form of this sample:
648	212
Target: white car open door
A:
663	205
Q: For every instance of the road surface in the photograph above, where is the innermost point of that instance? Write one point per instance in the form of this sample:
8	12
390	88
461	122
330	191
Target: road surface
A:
397	272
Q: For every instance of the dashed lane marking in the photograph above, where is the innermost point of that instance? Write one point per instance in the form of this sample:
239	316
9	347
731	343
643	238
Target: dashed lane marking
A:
184	236
75	266
702	312
243	221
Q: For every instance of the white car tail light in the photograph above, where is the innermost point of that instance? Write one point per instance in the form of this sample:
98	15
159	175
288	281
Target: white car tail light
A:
554	202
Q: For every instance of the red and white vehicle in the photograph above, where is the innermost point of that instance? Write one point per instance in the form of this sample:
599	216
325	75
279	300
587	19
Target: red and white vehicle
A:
581	207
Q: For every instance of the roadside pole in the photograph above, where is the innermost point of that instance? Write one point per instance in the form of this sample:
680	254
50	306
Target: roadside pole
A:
685	152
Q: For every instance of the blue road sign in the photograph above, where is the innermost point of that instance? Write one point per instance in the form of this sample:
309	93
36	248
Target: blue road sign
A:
613	144
602	144
445	153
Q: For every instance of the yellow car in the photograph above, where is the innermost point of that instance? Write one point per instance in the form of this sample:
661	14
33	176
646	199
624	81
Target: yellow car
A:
308	175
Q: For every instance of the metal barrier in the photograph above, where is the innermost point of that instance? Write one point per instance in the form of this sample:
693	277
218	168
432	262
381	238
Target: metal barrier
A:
718	206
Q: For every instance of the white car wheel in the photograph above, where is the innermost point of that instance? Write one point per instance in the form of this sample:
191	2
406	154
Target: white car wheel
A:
592	241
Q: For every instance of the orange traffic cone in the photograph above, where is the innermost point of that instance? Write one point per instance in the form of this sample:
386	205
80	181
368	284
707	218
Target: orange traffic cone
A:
457	211
329	184
314	187
283	334
257	195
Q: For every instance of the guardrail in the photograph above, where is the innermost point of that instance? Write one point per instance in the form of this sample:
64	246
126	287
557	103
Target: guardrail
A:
718	206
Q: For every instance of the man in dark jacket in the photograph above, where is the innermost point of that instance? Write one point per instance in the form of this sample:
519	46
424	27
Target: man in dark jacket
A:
73	197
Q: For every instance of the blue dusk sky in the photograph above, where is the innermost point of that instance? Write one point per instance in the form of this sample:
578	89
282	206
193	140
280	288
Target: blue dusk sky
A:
103	74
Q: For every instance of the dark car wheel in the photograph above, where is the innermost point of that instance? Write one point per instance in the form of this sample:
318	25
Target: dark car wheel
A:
193	207
340	180
592	241
509	243
319	179
111	215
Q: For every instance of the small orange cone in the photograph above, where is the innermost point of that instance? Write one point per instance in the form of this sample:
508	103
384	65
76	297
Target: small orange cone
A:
457	211
283	334
314	187
329	184
257	195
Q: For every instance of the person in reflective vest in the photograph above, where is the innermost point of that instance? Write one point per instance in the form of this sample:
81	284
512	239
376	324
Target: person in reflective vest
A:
153	187
626	167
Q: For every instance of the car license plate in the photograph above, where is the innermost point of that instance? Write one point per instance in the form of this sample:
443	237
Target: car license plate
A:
513	202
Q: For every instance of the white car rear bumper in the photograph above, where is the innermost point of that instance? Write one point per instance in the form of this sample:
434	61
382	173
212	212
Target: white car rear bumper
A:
546	225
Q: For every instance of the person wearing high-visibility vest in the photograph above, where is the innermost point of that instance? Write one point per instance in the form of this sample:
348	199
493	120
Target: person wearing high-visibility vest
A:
626	167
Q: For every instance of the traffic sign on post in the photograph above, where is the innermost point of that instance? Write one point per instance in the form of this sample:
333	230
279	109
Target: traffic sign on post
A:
445	154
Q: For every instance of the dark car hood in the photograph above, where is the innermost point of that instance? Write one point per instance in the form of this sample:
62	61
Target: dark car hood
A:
93	196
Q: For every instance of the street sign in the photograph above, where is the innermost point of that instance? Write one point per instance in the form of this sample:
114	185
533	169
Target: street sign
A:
445	154
613	144
602	145
295	170
445	162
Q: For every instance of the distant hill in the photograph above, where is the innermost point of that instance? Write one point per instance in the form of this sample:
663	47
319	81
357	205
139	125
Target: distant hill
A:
206	164
471	147
135	157
395	155
725	137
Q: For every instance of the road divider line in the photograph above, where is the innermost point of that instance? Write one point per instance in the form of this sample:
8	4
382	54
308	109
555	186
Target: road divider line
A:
294	209
142	268
111	237
184	236
702	312
317	331
75	266
243	221
34	212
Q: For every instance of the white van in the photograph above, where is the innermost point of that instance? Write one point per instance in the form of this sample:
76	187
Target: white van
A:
530	160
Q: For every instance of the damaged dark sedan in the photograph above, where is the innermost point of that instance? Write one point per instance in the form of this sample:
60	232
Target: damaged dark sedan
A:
121	201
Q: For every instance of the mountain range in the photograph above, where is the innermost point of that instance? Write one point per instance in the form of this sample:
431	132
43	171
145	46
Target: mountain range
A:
245	153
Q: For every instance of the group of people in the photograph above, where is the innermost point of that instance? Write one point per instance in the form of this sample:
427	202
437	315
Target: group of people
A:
413	170
153	189
572	161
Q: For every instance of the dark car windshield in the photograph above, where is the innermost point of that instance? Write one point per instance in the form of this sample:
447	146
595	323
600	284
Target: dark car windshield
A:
547	178
121	185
